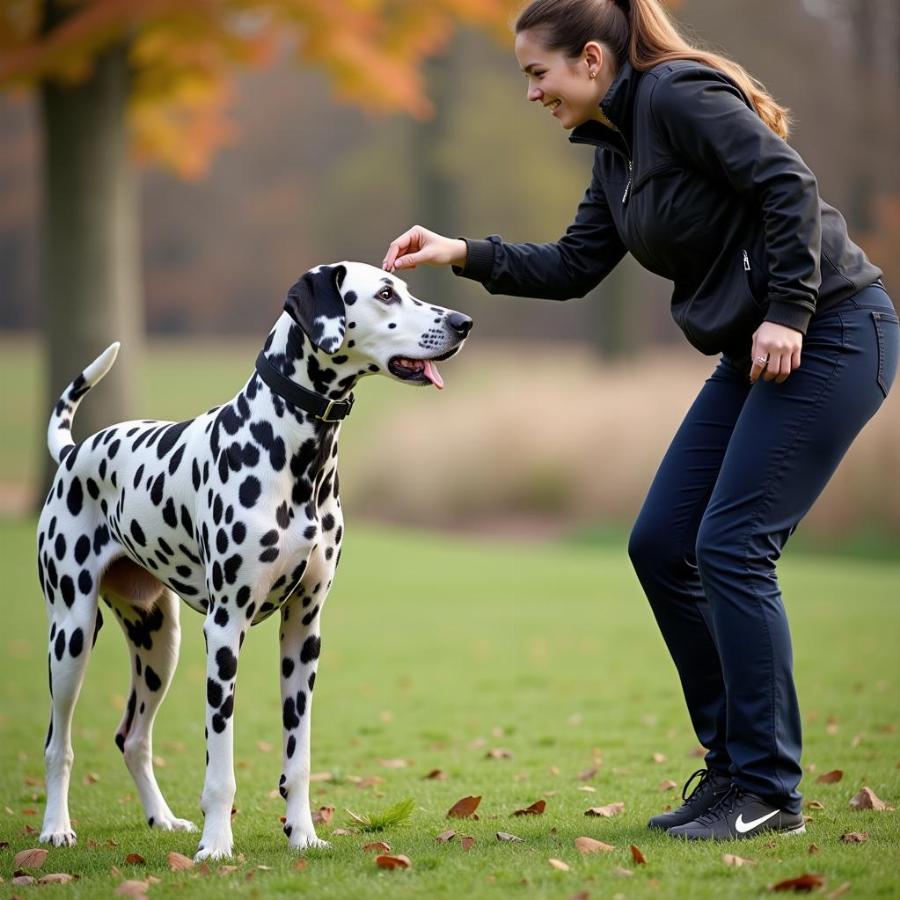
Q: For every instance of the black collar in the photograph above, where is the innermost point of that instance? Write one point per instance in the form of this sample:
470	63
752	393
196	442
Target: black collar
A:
618	106
321	407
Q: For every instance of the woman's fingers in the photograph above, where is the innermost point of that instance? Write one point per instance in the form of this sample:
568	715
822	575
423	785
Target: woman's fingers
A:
775	352
409	241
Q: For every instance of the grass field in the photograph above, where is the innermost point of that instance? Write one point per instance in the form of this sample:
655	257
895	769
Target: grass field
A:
436	651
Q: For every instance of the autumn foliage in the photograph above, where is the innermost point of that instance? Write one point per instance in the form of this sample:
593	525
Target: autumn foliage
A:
182	53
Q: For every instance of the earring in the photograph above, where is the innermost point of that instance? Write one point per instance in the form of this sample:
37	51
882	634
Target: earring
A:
593	74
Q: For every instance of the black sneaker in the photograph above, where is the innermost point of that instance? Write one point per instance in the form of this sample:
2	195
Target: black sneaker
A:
710	788
739	814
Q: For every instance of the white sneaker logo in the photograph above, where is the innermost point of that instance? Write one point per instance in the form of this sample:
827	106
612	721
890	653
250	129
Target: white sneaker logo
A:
743	827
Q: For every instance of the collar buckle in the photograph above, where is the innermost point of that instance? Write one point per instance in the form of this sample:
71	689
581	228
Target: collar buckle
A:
342	408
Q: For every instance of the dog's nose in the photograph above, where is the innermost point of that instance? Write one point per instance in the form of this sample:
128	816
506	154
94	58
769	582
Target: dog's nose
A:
461	324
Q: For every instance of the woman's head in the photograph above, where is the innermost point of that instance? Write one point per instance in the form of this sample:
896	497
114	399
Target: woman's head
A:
567	32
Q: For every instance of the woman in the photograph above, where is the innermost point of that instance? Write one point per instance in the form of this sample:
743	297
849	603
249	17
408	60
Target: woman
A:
692	176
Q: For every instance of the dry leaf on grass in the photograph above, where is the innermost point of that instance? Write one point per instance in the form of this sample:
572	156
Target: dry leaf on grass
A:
394	763
445	836
737	861
622	872
815	804
832	777
323	815
22	880
608	811
498	753
227	870
558	864
56	878
659	758
132	889
178	862
813	849
135	859
381	846
511	838
590	845
536	809
467	842
667	785
855	837
436	775
866	799
464	809
839	891
321	776
300	865
30	859
637	856
803	883
588	774
393	862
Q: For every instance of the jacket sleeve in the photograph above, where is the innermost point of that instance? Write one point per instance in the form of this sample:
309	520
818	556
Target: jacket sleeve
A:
709	124
570	267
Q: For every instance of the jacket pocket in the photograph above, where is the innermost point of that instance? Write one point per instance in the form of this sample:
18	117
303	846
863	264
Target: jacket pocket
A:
887	335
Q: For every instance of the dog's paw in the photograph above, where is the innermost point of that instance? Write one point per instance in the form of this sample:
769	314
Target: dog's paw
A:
170	823
63	837
219	851
300	840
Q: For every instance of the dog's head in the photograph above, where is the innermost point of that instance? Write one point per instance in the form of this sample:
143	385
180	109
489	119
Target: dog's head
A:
369	316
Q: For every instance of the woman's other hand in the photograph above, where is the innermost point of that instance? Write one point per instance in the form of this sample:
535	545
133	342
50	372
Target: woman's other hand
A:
419	245
776	352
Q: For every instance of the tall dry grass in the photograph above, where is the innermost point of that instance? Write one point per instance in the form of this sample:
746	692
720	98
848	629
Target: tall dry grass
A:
549	433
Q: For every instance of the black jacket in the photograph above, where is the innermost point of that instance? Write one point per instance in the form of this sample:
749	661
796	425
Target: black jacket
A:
701	192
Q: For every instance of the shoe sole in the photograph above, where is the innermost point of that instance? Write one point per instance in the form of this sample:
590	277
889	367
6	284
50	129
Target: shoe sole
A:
781	832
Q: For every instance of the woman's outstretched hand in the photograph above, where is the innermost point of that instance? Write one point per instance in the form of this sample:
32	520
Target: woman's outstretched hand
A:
776	352
419	245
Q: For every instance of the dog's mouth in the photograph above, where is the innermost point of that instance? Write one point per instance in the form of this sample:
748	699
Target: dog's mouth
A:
419	371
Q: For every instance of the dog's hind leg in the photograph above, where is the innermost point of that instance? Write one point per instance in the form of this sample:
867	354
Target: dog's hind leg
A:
74	620
153	637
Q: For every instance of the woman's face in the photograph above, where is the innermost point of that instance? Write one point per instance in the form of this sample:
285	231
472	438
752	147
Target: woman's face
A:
571	89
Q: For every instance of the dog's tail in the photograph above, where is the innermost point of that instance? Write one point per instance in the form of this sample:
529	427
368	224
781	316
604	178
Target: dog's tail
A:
59	431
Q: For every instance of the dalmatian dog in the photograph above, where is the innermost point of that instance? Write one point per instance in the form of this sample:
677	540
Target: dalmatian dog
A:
236	512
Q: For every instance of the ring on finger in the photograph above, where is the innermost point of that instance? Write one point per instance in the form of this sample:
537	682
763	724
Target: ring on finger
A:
762	360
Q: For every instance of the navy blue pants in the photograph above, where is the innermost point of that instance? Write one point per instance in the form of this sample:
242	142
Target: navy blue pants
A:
743	469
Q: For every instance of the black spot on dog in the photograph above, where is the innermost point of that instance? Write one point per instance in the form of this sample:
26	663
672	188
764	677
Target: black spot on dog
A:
213	693
170	517
75	497
238	532
138	533
221	617
291	746
156	491
85	582
152	679
312	680
59	647
82	549
218	723
60	546
243	595
232	567
311	649
289	715
67	587
227	663
169	437
269	555
221	540
228	706
249	491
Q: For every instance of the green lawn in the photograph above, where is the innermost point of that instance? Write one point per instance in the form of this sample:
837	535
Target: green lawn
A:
437	650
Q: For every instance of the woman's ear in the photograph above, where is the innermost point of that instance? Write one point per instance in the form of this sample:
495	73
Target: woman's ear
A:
593	54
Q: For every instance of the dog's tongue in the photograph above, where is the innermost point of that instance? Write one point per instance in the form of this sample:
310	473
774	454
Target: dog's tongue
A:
431	373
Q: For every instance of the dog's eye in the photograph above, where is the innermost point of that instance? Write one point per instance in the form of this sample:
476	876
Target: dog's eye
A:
387	295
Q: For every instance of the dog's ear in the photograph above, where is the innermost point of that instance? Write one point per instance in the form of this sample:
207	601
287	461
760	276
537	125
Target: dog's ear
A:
316	305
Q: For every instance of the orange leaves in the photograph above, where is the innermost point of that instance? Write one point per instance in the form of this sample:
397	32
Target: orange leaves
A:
393	862
637	857
30	859
178	862
608	811
866	799
536	809
803	883
831	777
586	845
464	809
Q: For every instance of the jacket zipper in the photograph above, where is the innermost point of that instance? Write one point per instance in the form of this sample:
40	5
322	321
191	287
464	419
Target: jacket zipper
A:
746	260
628	185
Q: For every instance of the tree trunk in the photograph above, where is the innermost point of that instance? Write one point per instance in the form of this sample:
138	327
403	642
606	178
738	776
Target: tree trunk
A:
90	266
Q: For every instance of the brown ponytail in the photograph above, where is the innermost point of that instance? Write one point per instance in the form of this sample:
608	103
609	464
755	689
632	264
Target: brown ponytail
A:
641	32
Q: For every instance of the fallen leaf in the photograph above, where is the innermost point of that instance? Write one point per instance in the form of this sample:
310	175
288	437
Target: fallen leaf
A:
227	870
498	753
382	846
323	815
558	864
698	751
813	849
321	776
135	859
804	883
737	861
178	862
667	785
436	775
659	758
56	878
831	777
637	856
91	778
22	880
536	809
300	865
467	842
132	889
590	845
588	774
622	872
510	838
264	747
393	862
445	836
30	859
464	808
866	799
204	869
855	837
588	788
608	811
394	763
815	804
839	891
340	832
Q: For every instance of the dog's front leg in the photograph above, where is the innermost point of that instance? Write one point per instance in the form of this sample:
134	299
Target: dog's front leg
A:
300	644
224	633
